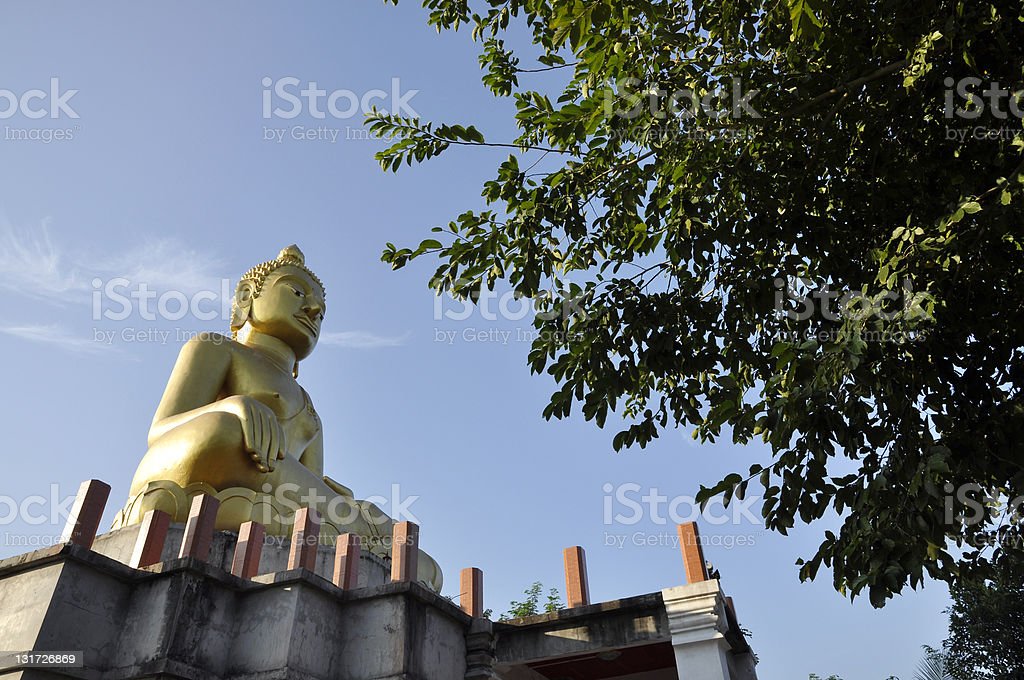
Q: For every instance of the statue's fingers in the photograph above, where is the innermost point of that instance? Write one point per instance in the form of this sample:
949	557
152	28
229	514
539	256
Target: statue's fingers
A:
272	443
257	435
264	441
262	455
249	432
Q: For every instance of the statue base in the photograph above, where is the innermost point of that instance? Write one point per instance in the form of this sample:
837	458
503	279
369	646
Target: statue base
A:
238	505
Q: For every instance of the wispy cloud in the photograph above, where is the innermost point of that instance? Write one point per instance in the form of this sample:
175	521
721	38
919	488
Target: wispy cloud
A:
361	339
55	335
32	265
35	267
164	264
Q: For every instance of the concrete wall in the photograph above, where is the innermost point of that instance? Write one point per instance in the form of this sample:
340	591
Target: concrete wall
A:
186	619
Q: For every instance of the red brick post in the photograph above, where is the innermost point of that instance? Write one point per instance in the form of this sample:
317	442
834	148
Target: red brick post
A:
693	553
405	543
198	536
86	513
577	590
305	540
346	561
471	591
149	545
246	561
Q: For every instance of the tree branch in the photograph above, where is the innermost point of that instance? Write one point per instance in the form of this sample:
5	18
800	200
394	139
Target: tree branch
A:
546	68
847	87
1009	180
501	145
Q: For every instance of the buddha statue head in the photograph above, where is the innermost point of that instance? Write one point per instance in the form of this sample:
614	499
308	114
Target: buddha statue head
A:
281	298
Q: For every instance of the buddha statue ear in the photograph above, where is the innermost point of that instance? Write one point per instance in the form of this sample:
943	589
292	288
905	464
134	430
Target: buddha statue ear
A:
241	305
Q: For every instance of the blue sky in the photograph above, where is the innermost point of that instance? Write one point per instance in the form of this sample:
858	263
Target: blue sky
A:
169	180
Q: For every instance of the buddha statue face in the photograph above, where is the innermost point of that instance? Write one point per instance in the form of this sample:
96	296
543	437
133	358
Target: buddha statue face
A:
283	299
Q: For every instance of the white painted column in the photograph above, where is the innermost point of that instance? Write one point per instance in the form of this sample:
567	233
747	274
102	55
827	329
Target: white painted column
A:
697	621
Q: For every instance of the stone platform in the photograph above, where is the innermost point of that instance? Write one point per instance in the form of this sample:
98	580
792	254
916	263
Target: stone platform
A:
192	620
137	610
188	619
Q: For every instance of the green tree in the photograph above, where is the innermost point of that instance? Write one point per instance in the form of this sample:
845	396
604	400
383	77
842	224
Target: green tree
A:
986	627
530	606
933	666
685	258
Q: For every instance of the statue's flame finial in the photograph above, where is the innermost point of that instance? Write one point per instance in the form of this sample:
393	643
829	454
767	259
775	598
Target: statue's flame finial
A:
292	252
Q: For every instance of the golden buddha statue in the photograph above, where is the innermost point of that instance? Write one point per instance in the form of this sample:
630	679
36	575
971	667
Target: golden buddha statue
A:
234	422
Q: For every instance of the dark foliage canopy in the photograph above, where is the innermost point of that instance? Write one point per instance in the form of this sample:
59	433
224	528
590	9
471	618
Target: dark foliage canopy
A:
792	221
986	627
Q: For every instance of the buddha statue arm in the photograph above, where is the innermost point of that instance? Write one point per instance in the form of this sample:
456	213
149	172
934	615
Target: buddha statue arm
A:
195	389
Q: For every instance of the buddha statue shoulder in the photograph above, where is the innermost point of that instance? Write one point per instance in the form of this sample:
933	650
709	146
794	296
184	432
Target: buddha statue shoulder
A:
235	423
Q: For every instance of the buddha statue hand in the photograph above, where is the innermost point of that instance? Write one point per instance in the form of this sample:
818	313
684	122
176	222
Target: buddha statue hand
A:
262	433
